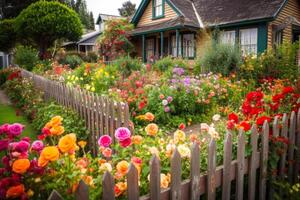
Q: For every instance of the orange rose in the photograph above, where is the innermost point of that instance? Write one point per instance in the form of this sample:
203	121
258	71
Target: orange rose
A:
122	167
56	121
57	130
151	129
149	117
120	188
20	166
67	143
42	162
15	191
136	139
50	153
107	152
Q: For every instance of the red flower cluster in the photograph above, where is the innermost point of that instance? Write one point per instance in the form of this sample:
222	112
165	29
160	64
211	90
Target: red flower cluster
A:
253	105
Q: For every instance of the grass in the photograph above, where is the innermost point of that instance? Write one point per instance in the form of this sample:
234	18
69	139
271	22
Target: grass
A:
8	115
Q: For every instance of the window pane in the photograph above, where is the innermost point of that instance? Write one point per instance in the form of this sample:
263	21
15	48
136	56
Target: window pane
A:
188	45
228	37
248	41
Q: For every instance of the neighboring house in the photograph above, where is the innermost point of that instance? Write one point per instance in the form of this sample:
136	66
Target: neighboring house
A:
87	43
183	28
5	60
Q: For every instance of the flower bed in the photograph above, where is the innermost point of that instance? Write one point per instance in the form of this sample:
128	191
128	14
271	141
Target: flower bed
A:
58	161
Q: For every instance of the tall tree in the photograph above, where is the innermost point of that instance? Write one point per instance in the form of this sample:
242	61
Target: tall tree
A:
92	21
127	9
44	22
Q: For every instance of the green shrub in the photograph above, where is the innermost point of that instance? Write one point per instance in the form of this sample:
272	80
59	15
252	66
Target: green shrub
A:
41	66
8	35
219	58
72	60
26	57
4	74
127	64
91	57
168	63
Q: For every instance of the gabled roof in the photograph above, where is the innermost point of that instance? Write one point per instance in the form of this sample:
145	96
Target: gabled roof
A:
105	17
220	12
90	37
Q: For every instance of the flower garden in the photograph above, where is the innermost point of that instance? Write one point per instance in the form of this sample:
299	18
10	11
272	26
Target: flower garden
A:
163	103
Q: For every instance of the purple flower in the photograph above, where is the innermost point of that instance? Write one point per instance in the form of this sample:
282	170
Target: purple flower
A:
170	99
167	109
3	144
37	145
22	146
122	133
178	70
15	129
187	81
104	141
164	102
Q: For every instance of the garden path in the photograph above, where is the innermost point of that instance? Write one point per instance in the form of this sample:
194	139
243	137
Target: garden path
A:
4	99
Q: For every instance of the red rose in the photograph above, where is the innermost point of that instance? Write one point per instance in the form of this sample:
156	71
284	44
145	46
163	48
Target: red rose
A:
125	143
277	97
261	120
246	126
255	96
230	125
233	117
287	90
142	104
181	126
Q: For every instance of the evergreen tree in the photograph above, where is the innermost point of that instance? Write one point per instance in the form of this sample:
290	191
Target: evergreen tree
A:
92	21
127	9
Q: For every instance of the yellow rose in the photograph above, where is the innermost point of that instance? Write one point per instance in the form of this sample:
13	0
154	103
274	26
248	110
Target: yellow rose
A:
67	143
50	153
151	129
57	130
56	121
136	139
82	143
179	136
122	167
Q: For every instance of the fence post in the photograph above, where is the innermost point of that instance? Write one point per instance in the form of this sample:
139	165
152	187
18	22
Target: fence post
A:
284	132
132	183
154	178
291	147
226	183
195	172
297	152
108	186
240	165
82	191
176	176
264	161
253	160
55	196
211	170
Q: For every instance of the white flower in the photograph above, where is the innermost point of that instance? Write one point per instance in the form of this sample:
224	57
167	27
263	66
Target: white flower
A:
165	102
216	117
204	127
184	151
106	167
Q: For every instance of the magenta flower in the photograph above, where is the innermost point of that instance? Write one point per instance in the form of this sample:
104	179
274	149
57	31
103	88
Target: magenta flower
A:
167	109
15	129
170	99
125	143
37	145
3	144
22	146
104	141
122	134
26	139
4	128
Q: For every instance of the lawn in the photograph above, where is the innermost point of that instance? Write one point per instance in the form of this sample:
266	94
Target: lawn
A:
8	115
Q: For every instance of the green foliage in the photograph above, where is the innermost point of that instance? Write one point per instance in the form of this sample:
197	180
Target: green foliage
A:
91	57
276	63
8	35
219	58
126	65
41	66
44	22
4	74
168	63
114	41
26	57
127	10
72	61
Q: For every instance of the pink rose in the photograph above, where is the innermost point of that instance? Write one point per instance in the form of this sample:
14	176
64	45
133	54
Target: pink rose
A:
37	145
22	146
15	129
26	139
122	133
4	128
3	144
125	143
104	141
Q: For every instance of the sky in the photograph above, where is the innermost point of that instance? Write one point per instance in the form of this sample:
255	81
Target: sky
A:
107	6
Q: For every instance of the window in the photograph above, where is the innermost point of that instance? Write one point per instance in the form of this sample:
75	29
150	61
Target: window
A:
158	8
248	41
188	46
278	38
149	48
228	37
174	45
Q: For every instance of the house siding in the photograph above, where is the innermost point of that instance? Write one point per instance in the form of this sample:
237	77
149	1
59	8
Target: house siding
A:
292	8
146	18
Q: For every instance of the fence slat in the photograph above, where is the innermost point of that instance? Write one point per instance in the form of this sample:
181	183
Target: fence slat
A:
108	186
82	191
132	183
55	196
195	172
264	161
284	132
291	147
176	176
240	165
226	184
154	178
297	151
253	161
211	171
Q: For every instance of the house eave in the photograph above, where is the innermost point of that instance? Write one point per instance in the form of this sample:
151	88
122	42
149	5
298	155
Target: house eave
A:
241	23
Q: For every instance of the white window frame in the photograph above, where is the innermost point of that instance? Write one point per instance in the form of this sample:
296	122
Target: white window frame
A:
249	41
158	8
174	46
150	48
188	43
228	37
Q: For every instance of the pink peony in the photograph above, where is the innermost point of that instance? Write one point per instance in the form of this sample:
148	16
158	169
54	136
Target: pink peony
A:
122	133
125	143
4	128
15	129
22	146
3	144
26	139
37	145
104	141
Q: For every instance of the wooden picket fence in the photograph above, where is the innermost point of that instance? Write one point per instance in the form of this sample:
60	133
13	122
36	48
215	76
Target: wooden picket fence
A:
222	177
101	114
